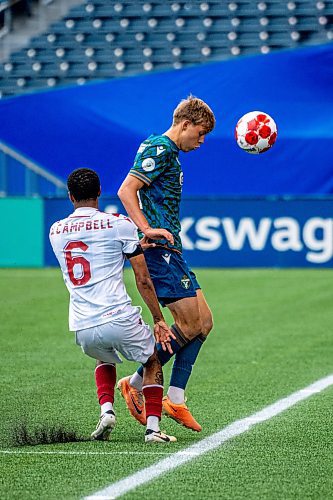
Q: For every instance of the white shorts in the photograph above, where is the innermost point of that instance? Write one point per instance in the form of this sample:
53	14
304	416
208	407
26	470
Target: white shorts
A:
128	334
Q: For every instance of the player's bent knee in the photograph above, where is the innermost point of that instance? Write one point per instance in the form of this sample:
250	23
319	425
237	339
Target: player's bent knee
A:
192	331
207	326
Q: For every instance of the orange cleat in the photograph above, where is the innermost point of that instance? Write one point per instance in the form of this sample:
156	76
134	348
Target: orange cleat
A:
134	400
181	414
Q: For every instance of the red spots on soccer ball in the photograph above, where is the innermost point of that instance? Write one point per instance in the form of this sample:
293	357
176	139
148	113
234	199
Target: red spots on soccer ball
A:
272	139
251	138
265	131
255	132
252	125
262	118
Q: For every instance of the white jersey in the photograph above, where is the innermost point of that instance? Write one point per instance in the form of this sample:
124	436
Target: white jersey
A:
90	247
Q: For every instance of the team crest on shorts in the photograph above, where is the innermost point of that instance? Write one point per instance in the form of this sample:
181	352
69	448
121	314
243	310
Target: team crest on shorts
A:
185	282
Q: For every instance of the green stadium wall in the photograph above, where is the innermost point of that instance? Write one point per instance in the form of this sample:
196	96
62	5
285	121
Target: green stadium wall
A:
22	232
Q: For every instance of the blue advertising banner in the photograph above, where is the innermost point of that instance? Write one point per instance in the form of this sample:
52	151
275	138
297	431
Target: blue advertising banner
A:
240	232
258	233
102	124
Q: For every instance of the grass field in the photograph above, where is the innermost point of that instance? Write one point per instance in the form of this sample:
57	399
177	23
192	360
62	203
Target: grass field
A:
272	336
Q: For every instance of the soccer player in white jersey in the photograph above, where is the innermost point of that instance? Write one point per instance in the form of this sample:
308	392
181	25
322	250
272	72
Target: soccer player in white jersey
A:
91	247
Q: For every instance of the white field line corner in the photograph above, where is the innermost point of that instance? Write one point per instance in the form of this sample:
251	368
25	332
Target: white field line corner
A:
210	443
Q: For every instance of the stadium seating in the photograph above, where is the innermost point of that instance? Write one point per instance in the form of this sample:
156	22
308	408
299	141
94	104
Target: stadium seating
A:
105	39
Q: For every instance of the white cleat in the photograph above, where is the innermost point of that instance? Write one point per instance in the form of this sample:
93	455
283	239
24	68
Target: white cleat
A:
105	426
158	437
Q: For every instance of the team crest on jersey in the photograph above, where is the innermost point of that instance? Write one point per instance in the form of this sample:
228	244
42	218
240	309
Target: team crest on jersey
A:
148	164
185	282
181	178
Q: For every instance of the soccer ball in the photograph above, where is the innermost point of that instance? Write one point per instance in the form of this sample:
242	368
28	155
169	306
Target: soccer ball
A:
256	132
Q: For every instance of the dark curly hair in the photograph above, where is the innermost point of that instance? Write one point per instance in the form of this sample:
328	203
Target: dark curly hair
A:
84	184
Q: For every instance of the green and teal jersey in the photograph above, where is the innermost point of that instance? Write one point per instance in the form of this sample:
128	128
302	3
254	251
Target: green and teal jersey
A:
157	165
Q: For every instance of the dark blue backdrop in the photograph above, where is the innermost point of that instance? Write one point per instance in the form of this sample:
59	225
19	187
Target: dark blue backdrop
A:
101	125
240	232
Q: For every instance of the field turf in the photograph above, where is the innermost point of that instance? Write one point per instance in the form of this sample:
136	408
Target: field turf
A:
272	336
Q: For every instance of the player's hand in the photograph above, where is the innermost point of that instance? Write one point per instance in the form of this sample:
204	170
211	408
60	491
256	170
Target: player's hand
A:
145	243
158	233
163	335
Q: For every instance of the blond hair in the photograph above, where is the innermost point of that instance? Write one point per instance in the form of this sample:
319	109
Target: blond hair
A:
196	111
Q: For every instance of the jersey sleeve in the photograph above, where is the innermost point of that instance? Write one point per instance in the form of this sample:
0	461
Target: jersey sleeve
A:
127	234
149	164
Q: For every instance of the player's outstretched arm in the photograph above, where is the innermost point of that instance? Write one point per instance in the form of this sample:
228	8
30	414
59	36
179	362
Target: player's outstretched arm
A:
128	194
146	288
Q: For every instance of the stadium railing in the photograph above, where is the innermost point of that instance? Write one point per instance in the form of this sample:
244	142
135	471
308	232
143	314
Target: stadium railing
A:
35	181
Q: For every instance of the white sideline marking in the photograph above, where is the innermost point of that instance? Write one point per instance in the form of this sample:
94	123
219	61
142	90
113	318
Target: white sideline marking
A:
210	443
64	452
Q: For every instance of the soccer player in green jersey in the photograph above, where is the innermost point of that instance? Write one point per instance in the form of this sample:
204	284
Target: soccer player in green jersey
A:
157	178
